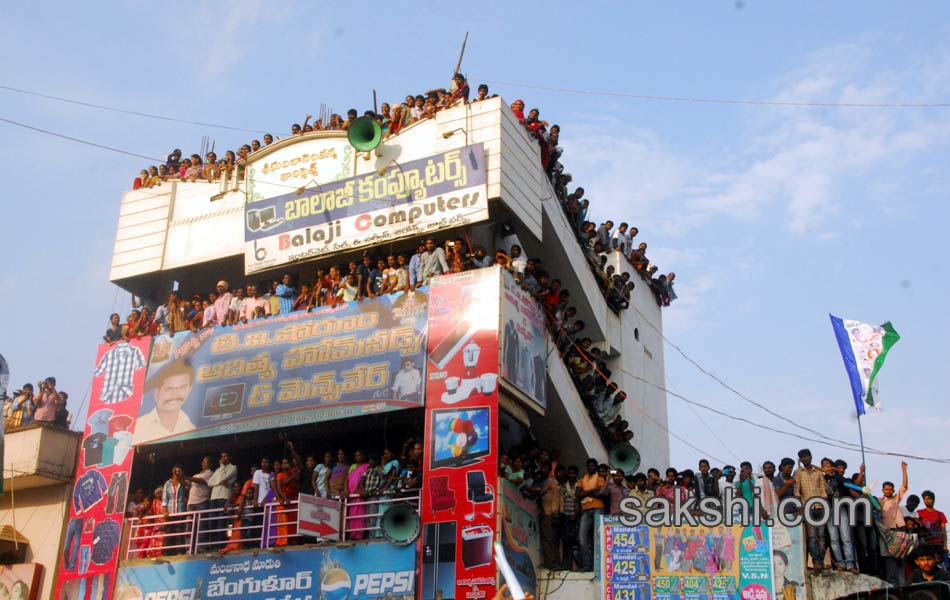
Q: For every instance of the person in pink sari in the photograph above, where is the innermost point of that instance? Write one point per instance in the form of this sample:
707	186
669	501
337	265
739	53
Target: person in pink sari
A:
355	507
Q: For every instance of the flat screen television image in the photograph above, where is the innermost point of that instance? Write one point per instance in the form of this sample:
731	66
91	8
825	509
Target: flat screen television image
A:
459	436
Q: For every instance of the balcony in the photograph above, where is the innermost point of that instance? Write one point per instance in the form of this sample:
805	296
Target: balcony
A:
39	455
253	528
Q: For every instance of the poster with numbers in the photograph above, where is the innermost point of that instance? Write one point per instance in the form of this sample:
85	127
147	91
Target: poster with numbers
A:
678	563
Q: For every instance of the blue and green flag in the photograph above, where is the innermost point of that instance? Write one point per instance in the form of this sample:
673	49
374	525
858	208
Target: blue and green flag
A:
863	349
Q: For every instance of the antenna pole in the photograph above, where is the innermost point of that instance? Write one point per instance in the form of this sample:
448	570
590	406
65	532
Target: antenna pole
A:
458	65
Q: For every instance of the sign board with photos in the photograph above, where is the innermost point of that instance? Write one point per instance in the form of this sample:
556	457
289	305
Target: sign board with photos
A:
524	343
688	563
460	462
408	200
354	359
101	490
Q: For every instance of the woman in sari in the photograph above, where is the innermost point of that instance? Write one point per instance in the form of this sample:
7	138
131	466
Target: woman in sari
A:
150	533
288	490
356	509
336	487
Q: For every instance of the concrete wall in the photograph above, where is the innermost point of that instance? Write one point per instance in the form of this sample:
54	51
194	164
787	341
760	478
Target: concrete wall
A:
39	514
38	456
640	369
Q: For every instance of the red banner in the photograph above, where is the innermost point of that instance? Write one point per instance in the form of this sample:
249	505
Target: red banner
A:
101	491
460	462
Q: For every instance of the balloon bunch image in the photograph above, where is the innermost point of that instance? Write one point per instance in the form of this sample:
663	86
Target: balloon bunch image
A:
465	436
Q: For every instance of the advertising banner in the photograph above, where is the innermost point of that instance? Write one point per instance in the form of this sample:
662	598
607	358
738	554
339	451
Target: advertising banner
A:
460	461
20	581
755	564
524	342
520	536
421	196
276	172
101	489
788	562
364	571
332	363
684	563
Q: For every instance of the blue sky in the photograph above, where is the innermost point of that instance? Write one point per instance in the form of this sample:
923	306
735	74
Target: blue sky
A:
771	216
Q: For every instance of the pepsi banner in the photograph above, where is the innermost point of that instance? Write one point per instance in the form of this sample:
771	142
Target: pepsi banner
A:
409	200
365	571
332	363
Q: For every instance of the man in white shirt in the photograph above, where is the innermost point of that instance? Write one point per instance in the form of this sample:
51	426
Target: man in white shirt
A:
407	382
171	393
220	483
432	262
198	499
620	240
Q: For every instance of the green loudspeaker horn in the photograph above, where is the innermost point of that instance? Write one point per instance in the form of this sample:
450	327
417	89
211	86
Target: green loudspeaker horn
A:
401	524
625	457
364	134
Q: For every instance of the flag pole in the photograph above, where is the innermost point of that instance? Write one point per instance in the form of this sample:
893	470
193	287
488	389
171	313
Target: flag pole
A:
861	438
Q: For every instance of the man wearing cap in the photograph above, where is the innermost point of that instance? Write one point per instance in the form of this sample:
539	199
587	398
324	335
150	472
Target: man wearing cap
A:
222	306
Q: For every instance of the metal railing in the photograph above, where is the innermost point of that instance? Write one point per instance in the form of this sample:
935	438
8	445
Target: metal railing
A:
234	528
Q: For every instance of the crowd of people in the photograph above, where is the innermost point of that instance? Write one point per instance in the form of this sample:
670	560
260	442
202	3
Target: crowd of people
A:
374	276
392	118
42	404
569	502
597	241
236	499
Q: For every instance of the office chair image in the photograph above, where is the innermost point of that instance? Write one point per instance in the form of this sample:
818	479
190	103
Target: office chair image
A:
479	492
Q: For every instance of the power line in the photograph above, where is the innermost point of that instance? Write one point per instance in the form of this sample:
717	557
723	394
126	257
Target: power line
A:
735	391
687	99
72	139
125	111
669	382
772	429
843	445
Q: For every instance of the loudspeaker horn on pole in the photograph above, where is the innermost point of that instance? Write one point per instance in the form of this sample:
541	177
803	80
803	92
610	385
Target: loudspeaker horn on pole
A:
625	457
364	134
401	524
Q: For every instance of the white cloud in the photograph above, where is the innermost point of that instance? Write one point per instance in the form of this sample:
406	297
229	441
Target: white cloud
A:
817	164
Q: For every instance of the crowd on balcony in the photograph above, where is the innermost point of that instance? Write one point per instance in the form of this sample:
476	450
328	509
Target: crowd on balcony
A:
236	496
596	241
41	404
568	503
392	118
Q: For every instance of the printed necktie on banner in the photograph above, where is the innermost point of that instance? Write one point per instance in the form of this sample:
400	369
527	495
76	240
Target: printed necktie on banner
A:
863	349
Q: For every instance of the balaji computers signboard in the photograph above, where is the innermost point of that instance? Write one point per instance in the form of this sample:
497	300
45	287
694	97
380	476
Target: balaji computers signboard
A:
397	201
